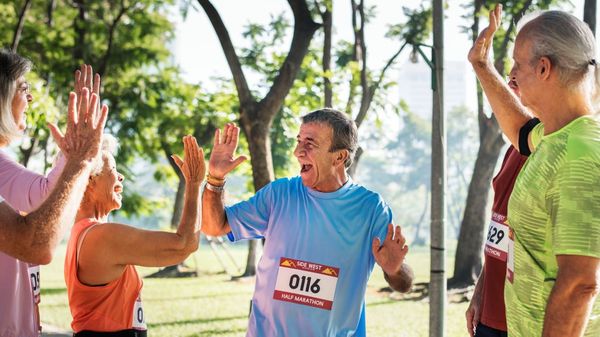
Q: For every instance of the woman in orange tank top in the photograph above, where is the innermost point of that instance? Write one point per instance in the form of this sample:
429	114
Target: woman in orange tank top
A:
103	285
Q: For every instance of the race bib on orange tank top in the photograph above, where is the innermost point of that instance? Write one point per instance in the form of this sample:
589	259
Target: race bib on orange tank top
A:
139	319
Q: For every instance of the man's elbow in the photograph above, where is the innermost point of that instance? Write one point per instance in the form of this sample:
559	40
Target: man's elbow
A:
404	286
588	288
37	255
402	282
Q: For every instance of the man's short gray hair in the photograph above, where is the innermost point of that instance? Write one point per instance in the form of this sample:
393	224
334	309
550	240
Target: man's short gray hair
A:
12	66
567	41
345	133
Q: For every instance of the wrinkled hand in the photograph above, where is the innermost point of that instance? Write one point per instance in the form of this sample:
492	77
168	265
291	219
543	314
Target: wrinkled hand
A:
192	166
390	255
84	78
480	52
473	313
221	158
85	125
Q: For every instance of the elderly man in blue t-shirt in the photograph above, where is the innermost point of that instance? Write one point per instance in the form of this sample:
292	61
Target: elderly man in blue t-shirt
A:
323	233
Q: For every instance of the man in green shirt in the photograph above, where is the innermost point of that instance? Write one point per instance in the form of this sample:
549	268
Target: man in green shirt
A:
554	211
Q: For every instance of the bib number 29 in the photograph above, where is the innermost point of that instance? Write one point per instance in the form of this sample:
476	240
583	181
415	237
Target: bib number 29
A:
495	235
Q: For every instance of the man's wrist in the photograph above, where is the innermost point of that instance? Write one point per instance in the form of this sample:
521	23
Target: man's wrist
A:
213	188
215	180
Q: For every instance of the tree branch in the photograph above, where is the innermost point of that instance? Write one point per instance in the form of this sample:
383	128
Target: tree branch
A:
304	29
111	36
80	24
244	94
499	62
20	24
355	57
327	31
50	12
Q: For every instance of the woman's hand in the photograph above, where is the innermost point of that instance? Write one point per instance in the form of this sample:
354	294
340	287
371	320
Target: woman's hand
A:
192	166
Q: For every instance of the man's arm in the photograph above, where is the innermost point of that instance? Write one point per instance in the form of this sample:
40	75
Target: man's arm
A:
473	313
214	220
32	238
390	255
509	111
572	297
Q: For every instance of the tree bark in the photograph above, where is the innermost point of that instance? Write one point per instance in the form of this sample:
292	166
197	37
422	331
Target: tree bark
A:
179	196
468	263
589	14
256	117
20	24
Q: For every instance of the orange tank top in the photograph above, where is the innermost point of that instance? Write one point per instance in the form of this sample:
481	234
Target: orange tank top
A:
111	307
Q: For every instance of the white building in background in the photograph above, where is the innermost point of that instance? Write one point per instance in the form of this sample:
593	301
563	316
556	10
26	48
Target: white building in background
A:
415	86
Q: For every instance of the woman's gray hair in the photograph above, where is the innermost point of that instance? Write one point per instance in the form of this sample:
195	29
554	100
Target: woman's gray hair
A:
567	41
12	66
109	145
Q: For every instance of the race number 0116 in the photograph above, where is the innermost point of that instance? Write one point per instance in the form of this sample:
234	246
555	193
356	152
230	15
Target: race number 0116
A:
305	283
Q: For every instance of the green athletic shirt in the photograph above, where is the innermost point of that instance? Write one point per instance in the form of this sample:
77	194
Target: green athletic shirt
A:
554	210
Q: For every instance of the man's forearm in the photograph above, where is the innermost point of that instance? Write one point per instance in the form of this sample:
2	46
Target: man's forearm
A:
568	309
41	230
402	281
214	222
509	111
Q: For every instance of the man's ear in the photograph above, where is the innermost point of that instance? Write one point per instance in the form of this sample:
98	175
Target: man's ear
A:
543	68
341	156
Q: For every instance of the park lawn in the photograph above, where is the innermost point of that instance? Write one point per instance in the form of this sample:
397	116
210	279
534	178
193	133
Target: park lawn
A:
213	305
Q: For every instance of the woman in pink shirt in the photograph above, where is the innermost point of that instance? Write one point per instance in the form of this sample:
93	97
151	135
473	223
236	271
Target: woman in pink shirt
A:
27	241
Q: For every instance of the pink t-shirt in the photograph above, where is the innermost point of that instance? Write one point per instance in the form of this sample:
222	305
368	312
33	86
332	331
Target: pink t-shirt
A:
24	191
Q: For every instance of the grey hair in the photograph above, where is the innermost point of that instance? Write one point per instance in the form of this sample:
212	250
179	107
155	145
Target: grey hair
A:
345	133
110	145
12	66
567	41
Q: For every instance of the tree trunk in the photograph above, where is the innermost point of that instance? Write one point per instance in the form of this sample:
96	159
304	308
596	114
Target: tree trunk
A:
589	14
259	144
178	205
467	265
20	24
418	240
256	117
354	166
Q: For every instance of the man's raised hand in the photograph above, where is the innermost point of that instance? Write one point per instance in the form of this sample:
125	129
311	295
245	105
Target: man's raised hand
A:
221	158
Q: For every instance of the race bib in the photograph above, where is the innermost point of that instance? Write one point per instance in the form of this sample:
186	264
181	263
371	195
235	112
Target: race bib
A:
510	264
306	283
139	321
34	279
496	244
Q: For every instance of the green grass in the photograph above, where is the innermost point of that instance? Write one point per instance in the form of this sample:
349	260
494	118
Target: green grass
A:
212	305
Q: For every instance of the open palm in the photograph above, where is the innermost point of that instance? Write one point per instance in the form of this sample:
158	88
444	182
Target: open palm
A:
221	158
390	255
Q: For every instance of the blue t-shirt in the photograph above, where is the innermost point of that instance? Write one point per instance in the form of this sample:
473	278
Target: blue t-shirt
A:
312	276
